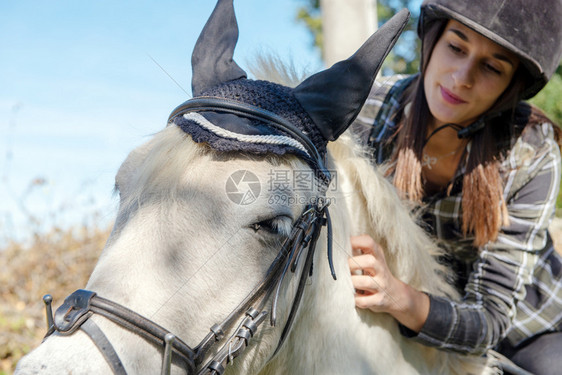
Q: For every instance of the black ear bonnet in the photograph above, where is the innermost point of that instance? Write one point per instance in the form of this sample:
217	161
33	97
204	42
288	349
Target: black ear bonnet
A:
232	113
258	135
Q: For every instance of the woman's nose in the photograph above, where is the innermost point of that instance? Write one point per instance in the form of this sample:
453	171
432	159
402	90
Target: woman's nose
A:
463	75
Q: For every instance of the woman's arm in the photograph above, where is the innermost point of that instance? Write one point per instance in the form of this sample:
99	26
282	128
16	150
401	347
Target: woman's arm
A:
499	274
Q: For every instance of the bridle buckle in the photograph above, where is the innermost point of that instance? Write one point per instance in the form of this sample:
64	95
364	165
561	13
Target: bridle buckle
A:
73	312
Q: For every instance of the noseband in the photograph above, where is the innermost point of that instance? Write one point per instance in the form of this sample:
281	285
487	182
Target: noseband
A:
77	308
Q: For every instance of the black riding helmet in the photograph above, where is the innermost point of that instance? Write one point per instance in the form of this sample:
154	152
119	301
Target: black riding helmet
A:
530	29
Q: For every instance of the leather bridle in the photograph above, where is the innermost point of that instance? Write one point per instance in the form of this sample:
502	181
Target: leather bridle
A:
77	308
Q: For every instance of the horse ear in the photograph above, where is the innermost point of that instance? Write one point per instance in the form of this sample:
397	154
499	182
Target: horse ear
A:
211	60
334	97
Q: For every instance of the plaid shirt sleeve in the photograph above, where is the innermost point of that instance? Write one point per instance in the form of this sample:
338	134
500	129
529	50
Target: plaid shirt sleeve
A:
375	121
506	267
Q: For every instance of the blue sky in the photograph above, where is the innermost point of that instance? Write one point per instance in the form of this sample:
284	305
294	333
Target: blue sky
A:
79	90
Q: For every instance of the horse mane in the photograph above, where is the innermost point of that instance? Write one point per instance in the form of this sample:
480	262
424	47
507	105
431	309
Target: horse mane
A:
381	213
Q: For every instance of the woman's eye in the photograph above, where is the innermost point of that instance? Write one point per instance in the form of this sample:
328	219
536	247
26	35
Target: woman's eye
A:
454	48
492	69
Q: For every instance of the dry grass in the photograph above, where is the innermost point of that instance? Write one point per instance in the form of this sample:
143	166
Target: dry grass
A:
56	263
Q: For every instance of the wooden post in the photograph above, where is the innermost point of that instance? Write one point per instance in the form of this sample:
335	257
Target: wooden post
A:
346	25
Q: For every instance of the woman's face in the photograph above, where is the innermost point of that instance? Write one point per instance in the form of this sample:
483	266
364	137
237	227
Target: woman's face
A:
466	74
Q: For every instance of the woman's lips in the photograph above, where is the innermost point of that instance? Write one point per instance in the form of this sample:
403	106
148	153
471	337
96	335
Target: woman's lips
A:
449	97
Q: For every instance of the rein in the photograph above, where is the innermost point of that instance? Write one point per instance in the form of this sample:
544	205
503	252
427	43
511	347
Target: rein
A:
77	308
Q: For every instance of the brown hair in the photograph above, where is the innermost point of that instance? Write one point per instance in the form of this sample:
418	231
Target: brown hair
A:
482	184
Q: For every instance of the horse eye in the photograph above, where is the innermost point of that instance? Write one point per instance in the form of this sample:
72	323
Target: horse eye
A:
276	225
265	225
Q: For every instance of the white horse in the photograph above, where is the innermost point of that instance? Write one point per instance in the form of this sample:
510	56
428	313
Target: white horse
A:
184	255
185	252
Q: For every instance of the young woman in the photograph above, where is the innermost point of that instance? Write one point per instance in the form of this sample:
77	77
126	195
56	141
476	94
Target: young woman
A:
485	170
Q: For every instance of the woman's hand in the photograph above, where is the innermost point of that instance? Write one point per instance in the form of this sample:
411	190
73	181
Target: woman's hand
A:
378	290
375	284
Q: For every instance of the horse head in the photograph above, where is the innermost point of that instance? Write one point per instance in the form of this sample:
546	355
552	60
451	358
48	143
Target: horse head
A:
208	260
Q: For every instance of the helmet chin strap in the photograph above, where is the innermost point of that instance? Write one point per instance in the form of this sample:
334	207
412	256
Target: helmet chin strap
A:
477	125
470	130
447	125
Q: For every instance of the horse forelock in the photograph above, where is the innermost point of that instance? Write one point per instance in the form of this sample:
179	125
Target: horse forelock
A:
157	167
270	67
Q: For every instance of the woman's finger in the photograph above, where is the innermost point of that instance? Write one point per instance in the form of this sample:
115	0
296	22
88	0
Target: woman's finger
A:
366	263
367	245
369	301
365	283
363	242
